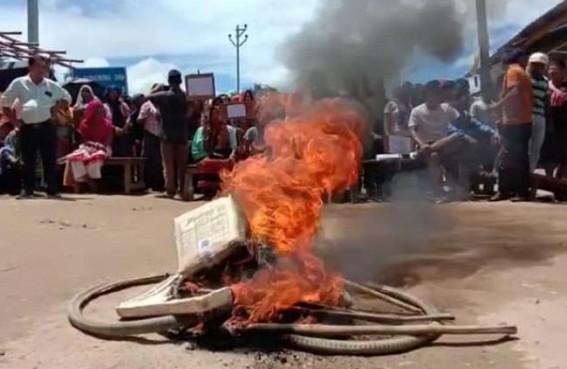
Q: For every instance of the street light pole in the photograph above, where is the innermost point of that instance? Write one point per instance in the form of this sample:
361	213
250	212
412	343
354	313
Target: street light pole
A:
483	47
33	21
238	41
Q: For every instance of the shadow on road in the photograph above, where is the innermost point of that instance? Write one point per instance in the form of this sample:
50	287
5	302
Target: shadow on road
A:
404	245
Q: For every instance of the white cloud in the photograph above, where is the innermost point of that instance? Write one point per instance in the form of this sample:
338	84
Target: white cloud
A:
98	30
520	12
142	75
95	63
168	27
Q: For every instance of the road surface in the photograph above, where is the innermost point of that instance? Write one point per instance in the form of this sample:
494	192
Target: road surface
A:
486	263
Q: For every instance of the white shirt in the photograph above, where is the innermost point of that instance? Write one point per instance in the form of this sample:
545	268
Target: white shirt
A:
149	114
481	111
233	135
36	100
432	125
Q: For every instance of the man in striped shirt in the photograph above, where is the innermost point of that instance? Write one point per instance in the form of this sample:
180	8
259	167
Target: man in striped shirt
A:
537	66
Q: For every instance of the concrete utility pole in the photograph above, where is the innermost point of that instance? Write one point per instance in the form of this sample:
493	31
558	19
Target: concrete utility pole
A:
33	21
238	41
484	47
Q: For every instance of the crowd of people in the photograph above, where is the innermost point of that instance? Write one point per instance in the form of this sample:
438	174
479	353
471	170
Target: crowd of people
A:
461	139
505	137
164	127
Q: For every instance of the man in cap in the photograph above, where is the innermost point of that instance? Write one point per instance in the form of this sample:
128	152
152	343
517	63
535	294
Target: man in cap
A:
537	67
172	105
38	97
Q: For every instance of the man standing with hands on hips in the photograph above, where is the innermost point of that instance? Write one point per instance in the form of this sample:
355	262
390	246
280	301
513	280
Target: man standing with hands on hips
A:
516	104
38	96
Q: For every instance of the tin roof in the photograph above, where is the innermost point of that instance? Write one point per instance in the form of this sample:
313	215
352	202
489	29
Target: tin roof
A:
522	37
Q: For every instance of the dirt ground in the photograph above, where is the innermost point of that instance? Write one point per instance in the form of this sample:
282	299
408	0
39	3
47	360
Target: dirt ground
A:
485	263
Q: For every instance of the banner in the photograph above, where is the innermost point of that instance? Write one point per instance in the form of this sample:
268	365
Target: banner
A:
200	86
107	77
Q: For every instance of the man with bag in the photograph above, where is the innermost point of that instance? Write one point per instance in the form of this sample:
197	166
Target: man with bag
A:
38	96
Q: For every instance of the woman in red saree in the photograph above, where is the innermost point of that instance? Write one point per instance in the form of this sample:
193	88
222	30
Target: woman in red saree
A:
96	132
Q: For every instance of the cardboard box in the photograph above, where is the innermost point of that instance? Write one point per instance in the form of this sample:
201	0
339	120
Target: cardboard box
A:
208	234
158	301
203	236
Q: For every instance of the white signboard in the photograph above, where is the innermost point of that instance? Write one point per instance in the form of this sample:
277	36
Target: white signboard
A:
235	111
400	145
200	86
474	83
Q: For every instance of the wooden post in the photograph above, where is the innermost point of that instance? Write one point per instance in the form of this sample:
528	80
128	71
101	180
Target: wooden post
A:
484	48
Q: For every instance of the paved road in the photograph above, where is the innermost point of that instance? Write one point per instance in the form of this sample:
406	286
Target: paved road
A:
486	263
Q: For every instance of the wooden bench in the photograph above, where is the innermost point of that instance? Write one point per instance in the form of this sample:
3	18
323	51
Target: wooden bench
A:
134	172
558	186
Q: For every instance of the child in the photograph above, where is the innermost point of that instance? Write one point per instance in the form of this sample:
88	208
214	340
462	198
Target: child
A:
10	163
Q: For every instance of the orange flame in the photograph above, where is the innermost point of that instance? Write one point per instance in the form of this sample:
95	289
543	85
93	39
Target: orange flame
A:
314	154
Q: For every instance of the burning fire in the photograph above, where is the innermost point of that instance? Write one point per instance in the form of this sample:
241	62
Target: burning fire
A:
314	154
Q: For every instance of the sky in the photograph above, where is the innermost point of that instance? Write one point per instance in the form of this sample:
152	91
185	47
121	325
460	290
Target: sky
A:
150	37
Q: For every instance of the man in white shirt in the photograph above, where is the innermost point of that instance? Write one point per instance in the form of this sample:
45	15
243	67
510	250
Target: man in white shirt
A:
429	127
150	119
38	96
481	109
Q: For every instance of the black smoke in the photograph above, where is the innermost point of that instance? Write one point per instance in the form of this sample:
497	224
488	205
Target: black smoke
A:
350	41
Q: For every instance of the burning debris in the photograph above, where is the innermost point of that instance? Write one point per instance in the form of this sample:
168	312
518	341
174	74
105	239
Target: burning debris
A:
246	260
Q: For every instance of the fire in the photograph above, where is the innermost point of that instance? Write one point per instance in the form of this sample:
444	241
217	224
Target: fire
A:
314	154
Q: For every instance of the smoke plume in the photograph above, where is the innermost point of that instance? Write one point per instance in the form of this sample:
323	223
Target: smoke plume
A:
350	41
